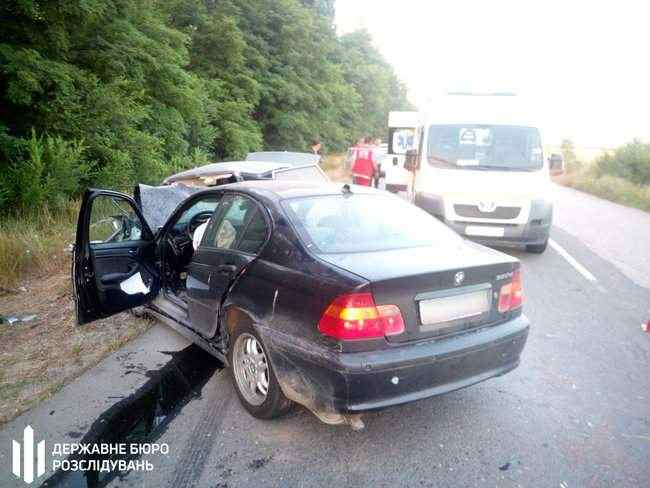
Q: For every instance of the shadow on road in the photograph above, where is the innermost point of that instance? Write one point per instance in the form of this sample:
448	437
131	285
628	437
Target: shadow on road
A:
143	416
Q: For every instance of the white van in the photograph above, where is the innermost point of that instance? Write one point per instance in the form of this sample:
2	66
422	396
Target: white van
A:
477	166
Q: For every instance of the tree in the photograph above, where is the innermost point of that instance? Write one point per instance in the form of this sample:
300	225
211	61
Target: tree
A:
375	81
113	92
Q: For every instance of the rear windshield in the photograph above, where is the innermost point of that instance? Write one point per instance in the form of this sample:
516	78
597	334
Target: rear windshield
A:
362	223
484	147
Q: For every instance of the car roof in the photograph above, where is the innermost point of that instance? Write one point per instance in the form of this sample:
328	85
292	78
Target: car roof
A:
229	167
281	189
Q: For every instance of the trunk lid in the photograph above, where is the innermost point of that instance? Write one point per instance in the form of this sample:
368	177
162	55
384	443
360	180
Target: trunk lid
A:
439	290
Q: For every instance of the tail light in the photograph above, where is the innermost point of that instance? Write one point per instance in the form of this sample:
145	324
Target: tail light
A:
355	316
511	295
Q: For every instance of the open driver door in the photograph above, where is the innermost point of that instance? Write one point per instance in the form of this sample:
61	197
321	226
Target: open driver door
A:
114	260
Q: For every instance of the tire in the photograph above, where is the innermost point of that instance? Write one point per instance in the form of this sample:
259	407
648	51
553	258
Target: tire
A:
247	345
537	248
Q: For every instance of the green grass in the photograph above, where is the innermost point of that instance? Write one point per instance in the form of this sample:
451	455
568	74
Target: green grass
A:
35	241
611	188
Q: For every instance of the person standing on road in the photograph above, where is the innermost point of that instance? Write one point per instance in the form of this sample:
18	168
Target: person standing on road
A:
364	166
316	146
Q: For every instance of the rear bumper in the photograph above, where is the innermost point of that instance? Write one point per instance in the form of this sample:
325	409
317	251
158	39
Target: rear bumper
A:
535	232
365	381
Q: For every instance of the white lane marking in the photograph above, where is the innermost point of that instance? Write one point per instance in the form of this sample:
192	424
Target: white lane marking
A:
571	260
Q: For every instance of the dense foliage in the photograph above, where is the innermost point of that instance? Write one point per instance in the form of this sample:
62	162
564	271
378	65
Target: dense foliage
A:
108	92
630	162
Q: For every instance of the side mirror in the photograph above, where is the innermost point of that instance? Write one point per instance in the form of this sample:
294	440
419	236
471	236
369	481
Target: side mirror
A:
556	164
411	160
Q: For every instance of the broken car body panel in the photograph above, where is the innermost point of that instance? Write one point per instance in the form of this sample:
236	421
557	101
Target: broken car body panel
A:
257	166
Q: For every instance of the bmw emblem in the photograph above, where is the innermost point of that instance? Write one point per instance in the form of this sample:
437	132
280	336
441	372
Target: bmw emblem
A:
459	278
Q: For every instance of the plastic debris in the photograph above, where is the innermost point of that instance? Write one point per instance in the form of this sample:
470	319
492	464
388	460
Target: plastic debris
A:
17	319
646	327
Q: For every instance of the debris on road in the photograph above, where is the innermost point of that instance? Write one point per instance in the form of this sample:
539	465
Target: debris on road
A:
259	463
646	326
17	319
505	467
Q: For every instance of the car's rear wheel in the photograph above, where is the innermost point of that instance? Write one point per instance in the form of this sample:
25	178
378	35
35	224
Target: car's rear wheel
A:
253	376
537	248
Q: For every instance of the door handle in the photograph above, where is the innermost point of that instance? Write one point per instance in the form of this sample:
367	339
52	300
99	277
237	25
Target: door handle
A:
227	269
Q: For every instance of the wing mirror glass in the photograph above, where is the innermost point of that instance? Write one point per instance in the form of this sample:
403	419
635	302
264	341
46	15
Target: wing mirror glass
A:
556	164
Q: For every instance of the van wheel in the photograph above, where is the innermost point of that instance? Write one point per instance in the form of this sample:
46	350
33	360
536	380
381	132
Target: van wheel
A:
253	376
537	248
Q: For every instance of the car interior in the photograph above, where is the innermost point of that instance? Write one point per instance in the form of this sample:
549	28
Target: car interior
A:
178	249
237	224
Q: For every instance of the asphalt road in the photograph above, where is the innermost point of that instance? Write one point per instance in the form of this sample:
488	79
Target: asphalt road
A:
576	413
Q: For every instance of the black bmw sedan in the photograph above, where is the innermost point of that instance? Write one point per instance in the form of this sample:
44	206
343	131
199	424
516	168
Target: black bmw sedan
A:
344	299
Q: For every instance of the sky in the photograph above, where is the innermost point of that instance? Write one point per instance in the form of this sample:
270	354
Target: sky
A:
581	67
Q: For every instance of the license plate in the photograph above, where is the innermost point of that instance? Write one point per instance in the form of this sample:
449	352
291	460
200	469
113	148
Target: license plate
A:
455	307
484	231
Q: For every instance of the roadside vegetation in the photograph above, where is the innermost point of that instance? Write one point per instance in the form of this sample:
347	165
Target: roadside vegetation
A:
621	175
111	92
35	243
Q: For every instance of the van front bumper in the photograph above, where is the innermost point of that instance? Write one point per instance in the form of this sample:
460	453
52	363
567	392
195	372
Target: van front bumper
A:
534	232
513	235
364	381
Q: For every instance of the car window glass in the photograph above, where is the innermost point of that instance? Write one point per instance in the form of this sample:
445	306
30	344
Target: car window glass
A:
207	205
113	219
364	223
255	234
225	234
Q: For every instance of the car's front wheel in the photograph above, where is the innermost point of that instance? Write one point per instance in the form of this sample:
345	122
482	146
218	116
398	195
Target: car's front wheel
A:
253	376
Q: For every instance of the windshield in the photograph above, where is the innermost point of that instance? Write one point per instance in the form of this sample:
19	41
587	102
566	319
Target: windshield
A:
484	147
363	223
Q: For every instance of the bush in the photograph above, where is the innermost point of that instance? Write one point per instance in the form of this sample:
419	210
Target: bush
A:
45	171
631	162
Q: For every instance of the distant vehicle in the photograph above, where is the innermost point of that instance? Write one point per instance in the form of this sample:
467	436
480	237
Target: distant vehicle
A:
341	298
477	164
402	127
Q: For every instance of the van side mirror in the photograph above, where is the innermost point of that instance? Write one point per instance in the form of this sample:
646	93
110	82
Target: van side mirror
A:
556	164
411	160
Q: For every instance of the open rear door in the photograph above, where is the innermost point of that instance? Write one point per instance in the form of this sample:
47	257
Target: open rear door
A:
114	263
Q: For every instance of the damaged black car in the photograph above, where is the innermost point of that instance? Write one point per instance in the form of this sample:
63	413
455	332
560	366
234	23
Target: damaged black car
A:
341	298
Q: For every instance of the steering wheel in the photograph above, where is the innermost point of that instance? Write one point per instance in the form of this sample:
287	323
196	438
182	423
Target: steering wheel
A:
197	220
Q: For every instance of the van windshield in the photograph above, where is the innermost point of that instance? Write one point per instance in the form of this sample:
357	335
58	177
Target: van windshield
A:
484	147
